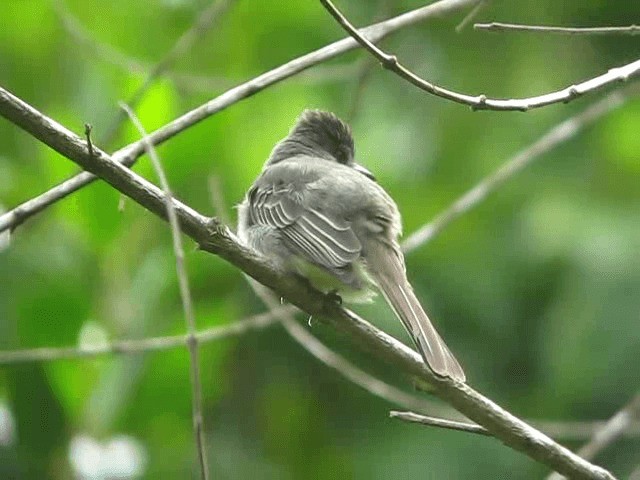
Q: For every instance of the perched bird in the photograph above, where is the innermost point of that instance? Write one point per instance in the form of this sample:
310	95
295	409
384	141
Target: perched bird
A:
315	212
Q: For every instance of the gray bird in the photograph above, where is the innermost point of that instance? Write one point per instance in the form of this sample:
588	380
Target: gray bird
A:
314	212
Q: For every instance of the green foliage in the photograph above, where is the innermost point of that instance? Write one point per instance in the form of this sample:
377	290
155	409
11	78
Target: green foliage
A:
536	290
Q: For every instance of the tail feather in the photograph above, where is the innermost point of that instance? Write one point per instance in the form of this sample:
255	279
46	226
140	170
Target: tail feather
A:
387	267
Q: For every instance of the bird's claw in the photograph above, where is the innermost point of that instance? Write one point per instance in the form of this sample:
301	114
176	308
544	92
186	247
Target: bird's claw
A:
334	297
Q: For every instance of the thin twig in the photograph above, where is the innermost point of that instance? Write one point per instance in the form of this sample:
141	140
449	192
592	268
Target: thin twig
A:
568	430
609	433
129	154
213	237
200	27
87	134
217	199
92	46
482	102
579	429
412	417
513	27
185	295
365	69
357	96
184	81
136	347
471	15
473	197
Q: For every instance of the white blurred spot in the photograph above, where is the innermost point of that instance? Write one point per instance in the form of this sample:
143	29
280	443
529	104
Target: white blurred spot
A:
84	455
7	426
125	457
120	457
92	336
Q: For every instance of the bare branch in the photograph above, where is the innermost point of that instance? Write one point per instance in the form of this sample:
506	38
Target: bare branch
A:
481	102
202	25
128	155
573	430
185	81
580	429
513	27
609	433
217	199
185	294
211	236
362	78
439	422
473	197
90	45
135	347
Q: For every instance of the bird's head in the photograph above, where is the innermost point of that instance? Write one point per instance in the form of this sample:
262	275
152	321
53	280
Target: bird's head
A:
319	134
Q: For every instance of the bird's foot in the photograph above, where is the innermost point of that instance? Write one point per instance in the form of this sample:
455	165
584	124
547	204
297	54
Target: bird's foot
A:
334	297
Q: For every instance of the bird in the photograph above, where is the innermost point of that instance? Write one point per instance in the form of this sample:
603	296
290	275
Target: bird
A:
316	213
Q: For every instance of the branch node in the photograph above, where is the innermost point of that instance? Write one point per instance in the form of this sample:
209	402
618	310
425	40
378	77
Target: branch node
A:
573	93
192	340
390	62
480	103
87	133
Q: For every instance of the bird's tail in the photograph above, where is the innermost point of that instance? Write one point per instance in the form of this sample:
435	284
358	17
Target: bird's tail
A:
386	265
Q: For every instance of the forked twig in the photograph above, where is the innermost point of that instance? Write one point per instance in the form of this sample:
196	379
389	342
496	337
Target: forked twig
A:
482	102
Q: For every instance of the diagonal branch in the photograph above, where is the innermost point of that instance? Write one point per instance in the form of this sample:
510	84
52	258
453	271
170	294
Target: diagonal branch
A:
211	236
481	102
513	27
202	24
128	155
473	197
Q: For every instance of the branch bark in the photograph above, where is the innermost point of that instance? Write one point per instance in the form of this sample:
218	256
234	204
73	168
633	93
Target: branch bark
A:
211	236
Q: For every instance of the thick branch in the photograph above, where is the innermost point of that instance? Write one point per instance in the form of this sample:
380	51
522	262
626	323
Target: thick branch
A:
481	102
213	237
128	155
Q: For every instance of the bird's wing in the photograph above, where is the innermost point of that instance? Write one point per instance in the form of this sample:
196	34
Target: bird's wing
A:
328	242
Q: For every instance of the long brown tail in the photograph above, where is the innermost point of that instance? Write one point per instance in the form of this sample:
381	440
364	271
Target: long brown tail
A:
386	265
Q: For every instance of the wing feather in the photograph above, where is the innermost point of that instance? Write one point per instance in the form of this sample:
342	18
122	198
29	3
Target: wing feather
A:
326	241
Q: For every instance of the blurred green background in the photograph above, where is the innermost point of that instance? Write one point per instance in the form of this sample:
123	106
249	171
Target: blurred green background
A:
537	290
